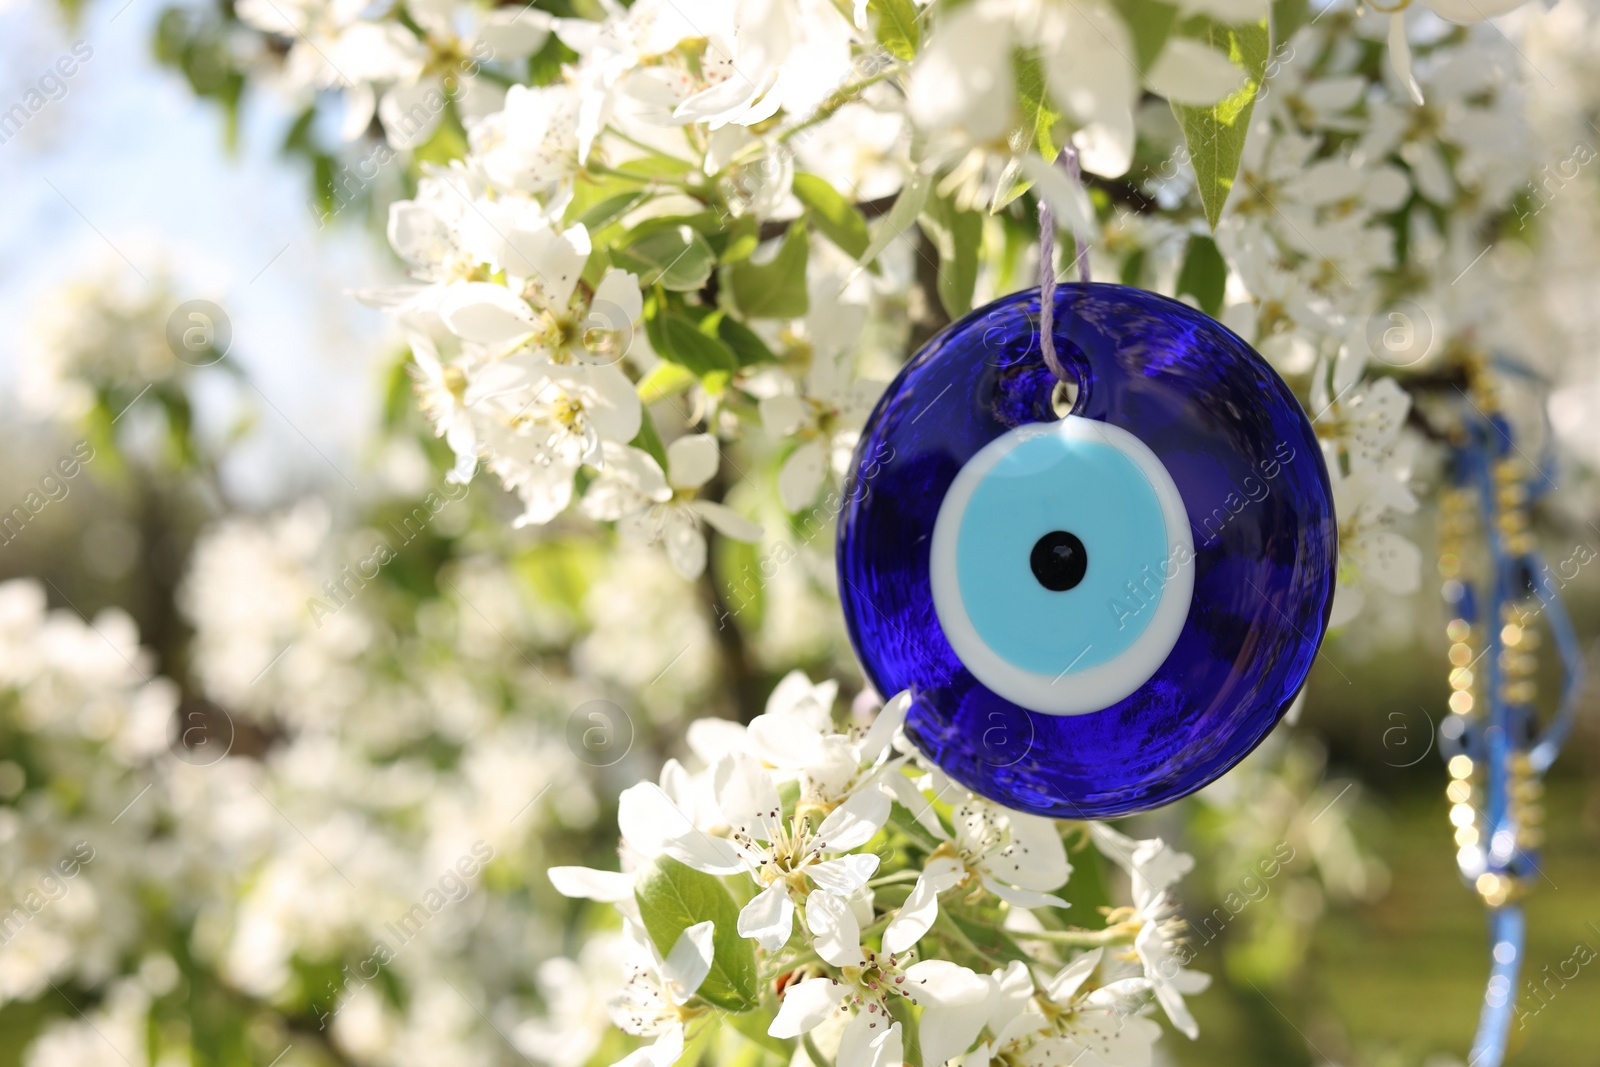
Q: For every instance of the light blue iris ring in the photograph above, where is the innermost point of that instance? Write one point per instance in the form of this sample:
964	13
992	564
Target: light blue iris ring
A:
1076	650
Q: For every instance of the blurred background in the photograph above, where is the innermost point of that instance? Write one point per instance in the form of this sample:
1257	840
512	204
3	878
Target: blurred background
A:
269	761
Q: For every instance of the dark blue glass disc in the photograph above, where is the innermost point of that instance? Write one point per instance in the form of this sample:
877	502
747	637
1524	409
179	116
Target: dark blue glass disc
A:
1147	581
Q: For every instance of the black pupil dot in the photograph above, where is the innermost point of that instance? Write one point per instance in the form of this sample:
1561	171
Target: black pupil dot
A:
1058	561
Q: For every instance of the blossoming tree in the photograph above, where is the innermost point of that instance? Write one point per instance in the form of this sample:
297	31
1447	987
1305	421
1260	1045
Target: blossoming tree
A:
661	259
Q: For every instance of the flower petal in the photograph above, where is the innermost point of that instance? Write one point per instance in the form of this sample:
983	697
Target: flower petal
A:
1033	858
686	546
872	1039
590	884
800	477
882	731
957	1006
838	934
1065	196
746	795
410	113
663	1052
485	313
853	823
1400	56
769	917
1191	73
843	874
921	908
653	825
908	796
692	460
726	521
805	1004
689	961
1069	978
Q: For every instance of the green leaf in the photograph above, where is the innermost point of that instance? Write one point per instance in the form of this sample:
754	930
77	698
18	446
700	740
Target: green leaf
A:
1204	275
663	380
1087	891
835	216
602	213
744	237
1215	135
910	1030
1033	95
648	440
754	1025
1133	269
738	565
894	24
675	257
699	1034
1287	17
559	572
1038	129
1150	23
957	235
775	289
902	216
987	934
546	65
447	142
906	823
747	345
675	337
655	166
672	898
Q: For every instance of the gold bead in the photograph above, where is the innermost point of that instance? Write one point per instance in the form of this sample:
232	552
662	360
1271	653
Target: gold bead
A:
1522	692
1466	835
1495	889
1458	792
1460	702
1460	766
1460	654
1458	630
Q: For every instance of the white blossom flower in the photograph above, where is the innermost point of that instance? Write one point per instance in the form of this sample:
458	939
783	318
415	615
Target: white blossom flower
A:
824	415
651	1003
1154	867
575	993
1099	1029
786	856
962	90
460	39
666	510
1014	855
531	145
795	736
955	1000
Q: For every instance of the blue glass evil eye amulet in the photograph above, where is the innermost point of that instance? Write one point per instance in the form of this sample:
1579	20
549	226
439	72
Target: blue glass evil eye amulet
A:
1099	613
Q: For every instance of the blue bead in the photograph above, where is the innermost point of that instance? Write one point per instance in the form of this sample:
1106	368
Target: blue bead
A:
1187	475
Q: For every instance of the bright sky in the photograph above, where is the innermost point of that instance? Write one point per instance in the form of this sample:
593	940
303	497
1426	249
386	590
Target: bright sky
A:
127	171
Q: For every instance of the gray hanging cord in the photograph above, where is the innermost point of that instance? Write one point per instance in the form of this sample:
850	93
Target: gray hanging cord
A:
1068	159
